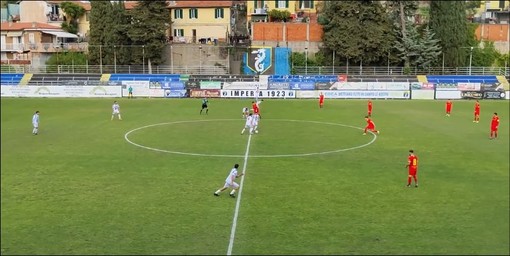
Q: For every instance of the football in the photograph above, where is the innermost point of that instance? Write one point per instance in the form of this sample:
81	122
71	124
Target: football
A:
256	131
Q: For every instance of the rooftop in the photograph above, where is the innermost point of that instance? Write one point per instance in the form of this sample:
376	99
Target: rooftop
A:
17	26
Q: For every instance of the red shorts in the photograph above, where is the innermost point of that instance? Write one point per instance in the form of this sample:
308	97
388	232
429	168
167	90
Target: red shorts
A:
321	102
494	129
477	113
370	127
413	171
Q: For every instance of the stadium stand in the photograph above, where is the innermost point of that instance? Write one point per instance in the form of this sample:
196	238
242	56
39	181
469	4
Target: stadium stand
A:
144	77
224	78
65	79
399	78
10	79
302	78
462	79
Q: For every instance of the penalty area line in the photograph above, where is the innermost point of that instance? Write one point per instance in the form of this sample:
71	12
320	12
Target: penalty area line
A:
238	203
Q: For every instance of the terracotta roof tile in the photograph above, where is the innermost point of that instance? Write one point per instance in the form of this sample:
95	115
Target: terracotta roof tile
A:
17	26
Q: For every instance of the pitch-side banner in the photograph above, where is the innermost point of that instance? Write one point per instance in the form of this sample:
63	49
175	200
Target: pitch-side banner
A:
62	91
366	94
274	94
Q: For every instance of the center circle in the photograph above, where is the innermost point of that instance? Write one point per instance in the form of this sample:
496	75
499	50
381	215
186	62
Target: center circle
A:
126	137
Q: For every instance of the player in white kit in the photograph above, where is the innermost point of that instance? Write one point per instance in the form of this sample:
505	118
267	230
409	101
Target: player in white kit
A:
248	124
246	111
255	123
35	123
116	110
230	182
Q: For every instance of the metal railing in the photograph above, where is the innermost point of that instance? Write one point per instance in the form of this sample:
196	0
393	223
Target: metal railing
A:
223	70
45	47
389	71
115	69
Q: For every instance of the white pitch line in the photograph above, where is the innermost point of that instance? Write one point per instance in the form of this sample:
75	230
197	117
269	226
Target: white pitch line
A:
238	203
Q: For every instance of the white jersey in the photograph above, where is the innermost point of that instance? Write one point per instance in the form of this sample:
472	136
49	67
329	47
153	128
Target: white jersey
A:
35	119
249	121
116	108
256	119
231	177
245	109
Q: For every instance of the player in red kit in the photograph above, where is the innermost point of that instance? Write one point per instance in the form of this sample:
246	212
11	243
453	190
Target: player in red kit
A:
448	107
477	112
412	165
369	108
370	126
255	108
321	100
494	126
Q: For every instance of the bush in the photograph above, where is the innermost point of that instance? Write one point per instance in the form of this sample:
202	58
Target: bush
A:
277	15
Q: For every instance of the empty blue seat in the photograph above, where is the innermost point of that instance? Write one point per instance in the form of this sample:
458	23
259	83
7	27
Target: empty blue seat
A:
10	79
144	77
462	79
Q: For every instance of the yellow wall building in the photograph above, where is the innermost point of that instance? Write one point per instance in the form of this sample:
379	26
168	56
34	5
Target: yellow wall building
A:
200	21
258	10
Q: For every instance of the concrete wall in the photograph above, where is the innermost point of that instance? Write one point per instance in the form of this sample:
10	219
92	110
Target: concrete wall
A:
282	31
497	33
30	11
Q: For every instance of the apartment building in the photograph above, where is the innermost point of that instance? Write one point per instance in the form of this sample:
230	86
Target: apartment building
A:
300	10
206	22
34	42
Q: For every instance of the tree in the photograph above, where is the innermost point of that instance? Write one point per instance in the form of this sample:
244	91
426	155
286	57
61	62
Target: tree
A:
400	13
118	41
471	7
485	56
448	21
359	31
408	45
430	49
73	13
100	10
150	19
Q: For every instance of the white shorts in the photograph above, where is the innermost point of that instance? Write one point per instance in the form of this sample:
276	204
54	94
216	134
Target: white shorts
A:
247	126
36	125
231	185
115	112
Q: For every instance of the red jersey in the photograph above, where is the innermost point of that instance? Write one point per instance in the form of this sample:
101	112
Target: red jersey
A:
370	123
321	98
412	161
369	105
448	104
477	107
495	121
255	107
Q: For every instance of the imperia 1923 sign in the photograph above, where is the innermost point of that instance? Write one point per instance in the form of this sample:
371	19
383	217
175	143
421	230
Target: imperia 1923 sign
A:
283	94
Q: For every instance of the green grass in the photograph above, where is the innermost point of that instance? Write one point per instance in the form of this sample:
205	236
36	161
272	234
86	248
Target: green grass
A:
80	188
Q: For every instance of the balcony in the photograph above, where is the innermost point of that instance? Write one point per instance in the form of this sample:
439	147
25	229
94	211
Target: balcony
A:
45	47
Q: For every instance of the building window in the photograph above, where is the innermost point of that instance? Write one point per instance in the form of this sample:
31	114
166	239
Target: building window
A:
282	3
193	13
178	14
179	32
31	38
306	4
219	13
259	4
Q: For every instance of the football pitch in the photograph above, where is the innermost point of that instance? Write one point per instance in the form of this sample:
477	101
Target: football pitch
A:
313	185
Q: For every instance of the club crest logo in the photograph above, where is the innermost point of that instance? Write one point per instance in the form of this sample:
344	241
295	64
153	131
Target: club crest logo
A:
259	59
